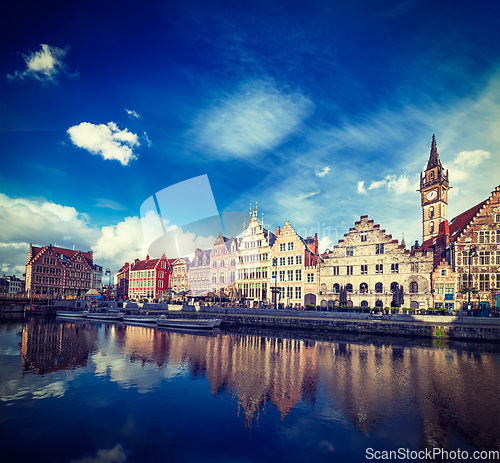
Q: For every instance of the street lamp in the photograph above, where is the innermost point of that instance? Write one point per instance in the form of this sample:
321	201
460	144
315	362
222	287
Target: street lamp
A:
275	290
108	272
472	253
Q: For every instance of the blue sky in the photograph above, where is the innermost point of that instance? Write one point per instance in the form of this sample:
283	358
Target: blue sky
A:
322	112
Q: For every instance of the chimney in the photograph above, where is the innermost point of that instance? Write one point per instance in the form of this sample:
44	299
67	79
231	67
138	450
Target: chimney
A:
277	231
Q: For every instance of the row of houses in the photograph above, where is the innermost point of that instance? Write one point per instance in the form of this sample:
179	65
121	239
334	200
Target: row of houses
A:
457	265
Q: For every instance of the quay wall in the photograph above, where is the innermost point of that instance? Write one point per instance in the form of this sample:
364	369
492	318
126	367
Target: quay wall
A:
427	326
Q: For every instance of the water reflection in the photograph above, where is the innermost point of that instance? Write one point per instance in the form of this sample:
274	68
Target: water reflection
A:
448	390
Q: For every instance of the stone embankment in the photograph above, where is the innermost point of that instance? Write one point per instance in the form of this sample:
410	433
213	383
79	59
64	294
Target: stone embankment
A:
426	326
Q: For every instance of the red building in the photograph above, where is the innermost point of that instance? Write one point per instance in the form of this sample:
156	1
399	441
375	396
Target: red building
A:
58	272
149	278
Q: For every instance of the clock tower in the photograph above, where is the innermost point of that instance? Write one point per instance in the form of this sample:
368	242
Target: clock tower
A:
434	188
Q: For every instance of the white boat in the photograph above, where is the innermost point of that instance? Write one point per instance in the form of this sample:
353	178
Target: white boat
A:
110	316
188	322
72	313
140	318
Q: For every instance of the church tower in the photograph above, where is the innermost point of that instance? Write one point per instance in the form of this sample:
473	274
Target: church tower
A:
434	188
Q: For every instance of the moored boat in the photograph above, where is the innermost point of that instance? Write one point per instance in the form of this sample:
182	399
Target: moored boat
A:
188	322
140	318
110	316
72	313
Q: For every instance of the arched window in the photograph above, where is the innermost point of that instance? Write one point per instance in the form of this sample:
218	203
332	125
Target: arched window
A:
394	286
323	287
413	287
363	288
379	287
379	303
336	288
431	212
431	227
364	303
348	287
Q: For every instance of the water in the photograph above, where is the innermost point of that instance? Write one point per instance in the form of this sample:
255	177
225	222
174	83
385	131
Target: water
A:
78	391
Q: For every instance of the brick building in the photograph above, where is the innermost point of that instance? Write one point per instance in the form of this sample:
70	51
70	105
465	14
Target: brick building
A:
122	282
58	272
470	243
149	278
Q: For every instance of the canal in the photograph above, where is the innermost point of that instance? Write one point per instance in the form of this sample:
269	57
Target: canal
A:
87	392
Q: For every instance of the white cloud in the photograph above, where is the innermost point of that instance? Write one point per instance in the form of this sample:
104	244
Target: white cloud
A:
148	141
325	171
399	185
464	164
120	243
325	243
43	65
114	455
110	204
361	187
107	141
255	120
132	114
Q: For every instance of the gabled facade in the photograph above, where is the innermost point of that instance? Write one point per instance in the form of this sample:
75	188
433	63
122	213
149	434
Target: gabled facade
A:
294	267
58	272
254	261
370	266
199	272
122	278
444	287
179	281
149	278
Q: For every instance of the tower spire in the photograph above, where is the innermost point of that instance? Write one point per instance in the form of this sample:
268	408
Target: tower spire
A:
434	156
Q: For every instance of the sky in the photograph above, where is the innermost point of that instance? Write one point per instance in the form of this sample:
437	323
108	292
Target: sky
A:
318	111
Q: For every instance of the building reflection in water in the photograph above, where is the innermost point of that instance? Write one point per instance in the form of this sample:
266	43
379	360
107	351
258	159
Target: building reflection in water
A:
52	346
451	389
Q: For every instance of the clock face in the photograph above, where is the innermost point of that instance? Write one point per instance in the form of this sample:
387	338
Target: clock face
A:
431	195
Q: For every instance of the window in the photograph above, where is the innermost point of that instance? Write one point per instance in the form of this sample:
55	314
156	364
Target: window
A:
290	275
349	270
160	284
348	287
364	269
379	249
336	288
413	287
282	247
484	258
379	268
444	273
394	268
349	251
394	286
364	236
289	292
298	275
282	261
290	260
298	260
484	282
363	288
163	264
431	227
290	246
310	277
497	218
379	287
414	267
431	212
438	288
336	270
484	236
282	275
497	258
298	292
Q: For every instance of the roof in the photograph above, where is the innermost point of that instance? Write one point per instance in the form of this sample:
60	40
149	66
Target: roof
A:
457	225
144	264
434	156
69	253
